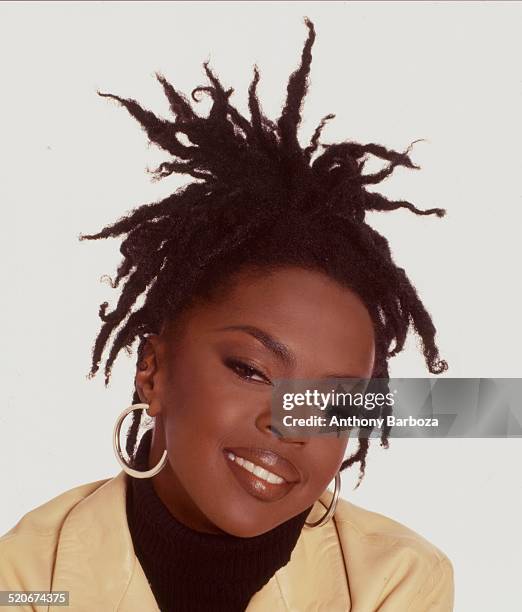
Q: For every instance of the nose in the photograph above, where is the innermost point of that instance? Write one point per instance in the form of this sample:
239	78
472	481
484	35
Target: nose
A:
270	426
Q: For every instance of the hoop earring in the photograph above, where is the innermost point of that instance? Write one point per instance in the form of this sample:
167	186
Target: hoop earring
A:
117	448
333	504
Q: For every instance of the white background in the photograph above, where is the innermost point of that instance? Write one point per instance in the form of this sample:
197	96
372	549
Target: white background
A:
72	162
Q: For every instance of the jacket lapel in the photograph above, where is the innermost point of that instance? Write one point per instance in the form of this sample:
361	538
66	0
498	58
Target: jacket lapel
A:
96	563
95	559
315	578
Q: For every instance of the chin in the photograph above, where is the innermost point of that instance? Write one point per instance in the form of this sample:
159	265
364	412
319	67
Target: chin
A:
242	524
247	530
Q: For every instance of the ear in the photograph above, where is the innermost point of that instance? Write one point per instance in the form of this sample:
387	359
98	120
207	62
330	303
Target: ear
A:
146	378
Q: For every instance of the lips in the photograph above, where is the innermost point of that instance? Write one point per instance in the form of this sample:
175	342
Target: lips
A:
262	473
269	460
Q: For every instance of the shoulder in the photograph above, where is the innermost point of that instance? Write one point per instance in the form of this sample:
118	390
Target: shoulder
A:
393	562
380	531
27	550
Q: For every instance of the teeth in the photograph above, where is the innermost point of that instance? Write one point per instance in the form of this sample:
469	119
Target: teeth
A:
273	478
259	471
256	469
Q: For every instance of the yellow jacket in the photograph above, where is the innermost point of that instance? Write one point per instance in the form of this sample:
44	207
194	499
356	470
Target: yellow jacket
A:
359	562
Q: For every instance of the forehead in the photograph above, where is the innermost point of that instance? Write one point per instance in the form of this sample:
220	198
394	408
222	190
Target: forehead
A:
325	324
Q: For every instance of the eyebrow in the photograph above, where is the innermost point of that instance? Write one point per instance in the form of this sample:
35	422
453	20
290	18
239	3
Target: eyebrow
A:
279	349
275	346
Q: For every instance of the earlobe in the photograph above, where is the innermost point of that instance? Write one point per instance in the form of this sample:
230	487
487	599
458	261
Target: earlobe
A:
144	381
139	387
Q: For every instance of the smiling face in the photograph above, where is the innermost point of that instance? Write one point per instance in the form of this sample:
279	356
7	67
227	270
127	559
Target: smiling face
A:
208	380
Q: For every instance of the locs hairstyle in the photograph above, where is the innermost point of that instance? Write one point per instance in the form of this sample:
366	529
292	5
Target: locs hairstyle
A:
259	200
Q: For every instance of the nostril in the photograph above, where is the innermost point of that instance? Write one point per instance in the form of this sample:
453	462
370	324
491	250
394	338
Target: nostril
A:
275	431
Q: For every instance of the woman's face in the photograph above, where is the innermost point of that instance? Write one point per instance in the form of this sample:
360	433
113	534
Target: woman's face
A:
208	381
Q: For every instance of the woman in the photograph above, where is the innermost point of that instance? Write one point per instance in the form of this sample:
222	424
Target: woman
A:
261	269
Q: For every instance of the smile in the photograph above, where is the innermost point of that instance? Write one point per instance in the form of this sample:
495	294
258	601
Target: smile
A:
262	473
257	470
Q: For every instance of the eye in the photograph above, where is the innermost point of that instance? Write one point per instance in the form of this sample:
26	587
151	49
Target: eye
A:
246	371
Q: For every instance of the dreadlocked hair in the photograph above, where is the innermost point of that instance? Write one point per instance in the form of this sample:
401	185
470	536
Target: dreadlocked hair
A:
260	201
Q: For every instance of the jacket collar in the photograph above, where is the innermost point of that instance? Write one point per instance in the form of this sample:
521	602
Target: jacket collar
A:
96	563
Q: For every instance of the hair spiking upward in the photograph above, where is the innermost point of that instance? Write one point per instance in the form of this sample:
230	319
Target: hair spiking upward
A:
258	200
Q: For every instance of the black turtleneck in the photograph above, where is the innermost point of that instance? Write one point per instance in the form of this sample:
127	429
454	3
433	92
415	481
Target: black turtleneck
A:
191	571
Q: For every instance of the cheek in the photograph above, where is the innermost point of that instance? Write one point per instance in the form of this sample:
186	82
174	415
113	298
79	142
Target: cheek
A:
326	455
204	404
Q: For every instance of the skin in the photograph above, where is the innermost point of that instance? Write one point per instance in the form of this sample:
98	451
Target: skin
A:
203	402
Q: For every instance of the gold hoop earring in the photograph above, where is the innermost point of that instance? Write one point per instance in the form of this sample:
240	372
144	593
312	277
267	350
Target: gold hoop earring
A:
333	504
117	448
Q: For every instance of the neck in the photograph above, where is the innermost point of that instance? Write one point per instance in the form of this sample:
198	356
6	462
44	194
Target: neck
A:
181	506
193	570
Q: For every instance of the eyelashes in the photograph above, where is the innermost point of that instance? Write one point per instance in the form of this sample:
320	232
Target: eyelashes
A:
246	371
